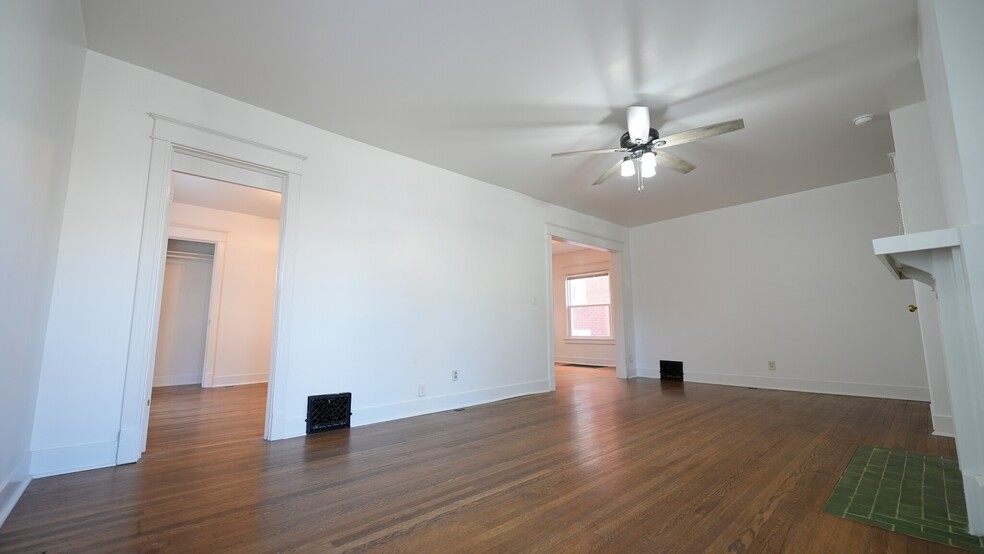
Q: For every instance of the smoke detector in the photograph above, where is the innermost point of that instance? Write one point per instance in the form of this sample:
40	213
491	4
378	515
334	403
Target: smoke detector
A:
863	120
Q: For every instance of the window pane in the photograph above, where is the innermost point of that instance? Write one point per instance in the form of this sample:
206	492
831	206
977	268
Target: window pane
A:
588	290
590	321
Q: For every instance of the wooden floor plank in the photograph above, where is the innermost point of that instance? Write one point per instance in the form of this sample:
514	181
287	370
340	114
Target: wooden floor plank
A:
601	465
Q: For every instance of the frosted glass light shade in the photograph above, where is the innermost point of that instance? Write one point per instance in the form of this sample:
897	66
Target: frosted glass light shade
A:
648	163
628	168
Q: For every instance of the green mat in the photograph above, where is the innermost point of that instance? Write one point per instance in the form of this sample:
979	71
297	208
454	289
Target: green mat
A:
913	494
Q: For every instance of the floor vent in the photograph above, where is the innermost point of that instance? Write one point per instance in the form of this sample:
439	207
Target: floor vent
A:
329	411
671	370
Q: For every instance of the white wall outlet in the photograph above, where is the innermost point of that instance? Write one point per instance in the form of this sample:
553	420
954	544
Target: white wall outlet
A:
454	374
421	390
772	365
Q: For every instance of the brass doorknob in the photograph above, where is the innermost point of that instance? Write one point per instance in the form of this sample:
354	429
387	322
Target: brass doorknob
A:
913	307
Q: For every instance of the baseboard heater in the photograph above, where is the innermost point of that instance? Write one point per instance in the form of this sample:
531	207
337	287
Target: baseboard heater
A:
326	412
671	370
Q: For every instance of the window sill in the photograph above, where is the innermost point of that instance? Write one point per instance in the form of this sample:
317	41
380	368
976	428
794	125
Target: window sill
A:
586	340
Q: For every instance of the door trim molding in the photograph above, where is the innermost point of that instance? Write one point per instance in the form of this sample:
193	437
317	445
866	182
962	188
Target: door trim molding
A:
218	239
168	136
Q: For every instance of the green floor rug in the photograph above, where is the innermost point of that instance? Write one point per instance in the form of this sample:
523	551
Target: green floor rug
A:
913	494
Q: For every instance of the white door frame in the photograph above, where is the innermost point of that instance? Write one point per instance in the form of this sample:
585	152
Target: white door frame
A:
218	240
168	137
622	327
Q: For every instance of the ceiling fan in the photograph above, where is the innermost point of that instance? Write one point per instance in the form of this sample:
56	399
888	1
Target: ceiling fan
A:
643	146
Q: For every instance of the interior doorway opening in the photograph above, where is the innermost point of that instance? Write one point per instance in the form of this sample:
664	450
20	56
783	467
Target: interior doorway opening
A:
583	307
189	148
217	305
615	259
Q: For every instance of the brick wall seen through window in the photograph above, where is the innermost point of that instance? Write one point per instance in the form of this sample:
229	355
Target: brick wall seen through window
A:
589	306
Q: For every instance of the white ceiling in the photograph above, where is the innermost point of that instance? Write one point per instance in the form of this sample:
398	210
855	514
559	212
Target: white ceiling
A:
559	247
220	195
490	89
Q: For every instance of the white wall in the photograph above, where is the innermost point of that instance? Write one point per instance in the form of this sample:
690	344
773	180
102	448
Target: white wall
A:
918	179
949	54
42	52
790	279
183	322
578	351
950	47
245	322
389	291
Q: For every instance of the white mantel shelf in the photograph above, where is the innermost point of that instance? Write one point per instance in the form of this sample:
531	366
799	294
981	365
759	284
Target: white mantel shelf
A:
905	253
952	262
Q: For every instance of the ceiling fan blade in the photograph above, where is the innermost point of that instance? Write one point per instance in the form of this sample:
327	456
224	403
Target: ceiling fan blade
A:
611	171
699	133
673	162
598	151
637	120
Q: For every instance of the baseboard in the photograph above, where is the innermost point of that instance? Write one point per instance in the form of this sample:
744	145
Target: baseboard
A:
296	427
173	380
802	385
69	459
244	379
943	426
14	485
647	373
584	360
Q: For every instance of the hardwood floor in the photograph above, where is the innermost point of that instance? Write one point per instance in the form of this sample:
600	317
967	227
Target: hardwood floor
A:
600	465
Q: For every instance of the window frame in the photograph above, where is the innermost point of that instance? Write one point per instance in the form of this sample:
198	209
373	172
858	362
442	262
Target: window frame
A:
575	339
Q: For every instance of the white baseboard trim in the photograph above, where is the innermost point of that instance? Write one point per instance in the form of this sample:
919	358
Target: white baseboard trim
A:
129	449
172	380
14	485
244	379
296	426
69	459
584	361
846	388
943	426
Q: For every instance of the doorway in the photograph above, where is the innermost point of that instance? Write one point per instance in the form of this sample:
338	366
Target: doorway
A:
620	301
184	322
180	146
583	307
215	328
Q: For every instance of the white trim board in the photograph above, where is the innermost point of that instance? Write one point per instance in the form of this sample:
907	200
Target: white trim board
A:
68	459
846	388
943	426
14	485
174	380
241	379
580	360
429	405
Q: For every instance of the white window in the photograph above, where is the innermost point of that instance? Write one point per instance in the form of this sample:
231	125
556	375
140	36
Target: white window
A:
589	306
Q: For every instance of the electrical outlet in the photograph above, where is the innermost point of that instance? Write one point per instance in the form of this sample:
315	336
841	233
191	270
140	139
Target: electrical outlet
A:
454	374
421	390
772	365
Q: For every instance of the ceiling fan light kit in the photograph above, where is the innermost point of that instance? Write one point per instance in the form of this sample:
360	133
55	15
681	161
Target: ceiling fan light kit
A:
641	141
628	168
648	163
